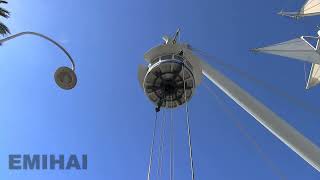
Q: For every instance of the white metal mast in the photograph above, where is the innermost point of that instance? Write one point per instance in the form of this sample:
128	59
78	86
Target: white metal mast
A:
277	126
163	74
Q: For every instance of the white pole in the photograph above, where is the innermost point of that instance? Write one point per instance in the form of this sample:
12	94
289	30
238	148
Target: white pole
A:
277	126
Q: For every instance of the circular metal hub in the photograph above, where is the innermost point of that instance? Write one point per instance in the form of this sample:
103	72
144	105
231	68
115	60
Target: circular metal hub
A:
164	83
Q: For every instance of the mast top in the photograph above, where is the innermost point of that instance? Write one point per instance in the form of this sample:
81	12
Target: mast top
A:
172	40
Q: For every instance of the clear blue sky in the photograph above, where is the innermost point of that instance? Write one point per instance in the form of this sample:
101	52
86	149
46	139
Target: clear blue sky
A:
107	115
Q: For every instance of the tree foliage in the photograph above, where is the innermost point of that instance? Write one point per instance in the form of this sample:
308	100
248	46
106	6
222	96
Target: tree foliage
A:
5	14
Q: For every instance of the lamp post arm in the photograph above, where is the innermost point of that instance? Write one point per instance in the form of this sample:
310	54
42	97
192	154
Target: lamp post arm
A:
42	36
277	126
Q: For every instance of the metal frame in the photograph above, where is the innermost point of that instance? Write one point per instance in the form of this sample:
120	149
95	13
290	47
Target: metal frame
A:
42	36
275	124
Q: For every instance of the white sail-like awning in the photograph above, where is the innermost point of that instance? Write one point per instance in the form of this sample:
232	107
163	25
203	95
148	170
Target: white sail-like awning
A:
299	49
314	77
310	8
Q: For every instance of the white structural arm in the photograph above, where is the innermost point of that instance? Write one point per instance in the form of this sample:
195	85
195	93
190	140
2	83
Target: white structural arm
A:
277	126
42	36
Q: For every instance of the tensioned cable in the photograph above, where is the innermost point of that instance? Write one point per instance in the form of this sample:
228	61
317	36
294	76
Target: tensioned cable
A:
246	134
152	146
171	144
273	89
161	147
188	124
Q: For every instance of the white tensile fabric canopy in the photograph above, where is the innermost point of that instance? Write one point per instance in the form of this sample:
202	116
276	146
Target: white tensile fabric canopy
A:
310	8
300	49
314	77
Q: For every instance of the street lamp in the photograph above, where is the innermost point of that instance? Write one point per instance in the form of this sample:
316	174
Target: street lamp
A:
65	77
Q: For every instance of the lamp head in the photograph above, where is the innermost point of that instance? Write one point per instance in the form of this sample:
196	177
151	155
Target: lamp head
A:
65	78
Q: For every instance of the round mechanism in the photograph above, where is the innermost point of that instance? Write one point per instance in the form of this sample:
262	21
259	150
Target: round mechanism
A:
65	78
169	83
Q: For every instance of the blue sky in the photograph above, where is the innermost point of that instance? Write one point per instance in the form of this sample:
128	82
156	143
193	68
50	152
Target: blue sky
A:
107	115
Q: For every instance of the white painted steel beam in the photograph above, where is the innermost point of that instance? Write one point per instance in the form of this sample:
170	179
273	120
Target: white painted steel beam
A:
277	126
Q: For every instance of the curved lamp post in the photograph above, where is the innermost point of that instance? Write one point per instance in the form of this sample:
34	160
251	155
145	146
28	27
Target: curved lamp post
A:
65	77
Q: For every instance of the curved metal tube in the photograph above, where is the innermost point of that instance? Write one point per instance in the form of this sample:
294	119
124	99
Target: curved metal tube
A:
45	37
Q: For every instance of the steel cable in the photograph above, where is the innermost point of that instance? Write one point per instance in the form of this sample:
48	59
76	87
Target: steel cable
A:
188	125
246	134
161	147
171	145
152	146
